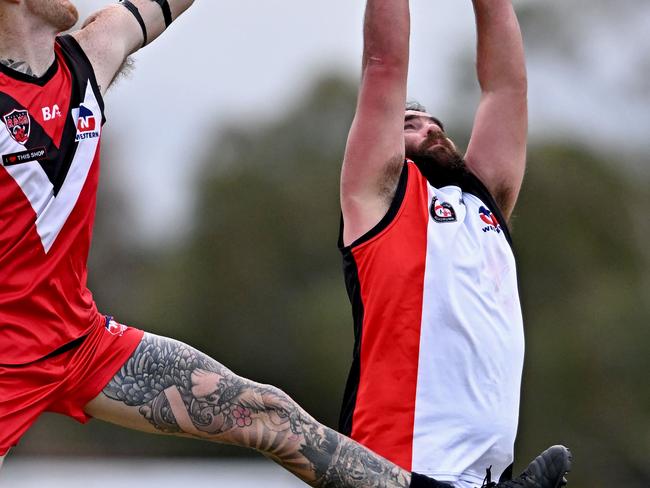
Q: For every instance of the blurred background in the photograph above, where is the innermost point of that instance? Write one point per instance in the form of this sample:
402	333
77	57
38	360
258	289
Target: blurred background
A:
218	217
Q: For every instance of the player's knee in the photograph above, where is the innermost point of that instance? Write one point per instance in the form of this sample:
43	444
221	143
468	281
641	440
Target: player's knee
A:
268	420
262	417
276	400
268	399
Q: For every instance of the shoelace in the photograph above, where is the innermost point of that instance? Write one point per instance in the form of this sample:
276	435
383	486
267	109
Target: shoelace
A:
488	483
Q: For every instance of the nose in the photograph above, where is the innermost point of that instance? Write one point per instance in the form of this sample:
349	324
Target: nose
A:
432	130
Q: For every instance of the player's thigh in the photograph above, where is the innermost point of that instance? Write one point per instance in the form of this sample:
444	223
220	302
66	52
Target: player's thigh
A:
105	408
146	390
169	387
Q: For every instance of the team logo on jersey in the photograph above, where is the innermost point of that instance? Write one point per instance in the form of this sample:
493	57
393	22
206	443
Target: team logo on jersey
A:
490	219
86	123
442	211
18	124
115	328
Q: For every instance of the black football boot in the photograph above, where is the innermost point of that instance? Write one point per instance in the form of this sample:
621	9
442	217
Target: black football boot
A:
545	471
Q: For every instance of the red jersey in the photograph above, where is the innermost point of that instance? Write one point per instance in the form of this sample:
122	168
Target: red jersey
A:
50	130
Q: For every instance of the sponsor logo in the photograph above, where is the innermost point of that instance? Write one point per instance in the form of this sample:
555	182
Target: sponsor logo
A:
18	124
49	113
442	211
490	219
24	156
86	123
115	328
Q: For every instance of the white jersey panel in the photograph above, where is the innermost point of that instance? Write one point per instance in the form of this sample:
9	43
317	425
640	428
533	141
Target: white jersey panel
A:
471	344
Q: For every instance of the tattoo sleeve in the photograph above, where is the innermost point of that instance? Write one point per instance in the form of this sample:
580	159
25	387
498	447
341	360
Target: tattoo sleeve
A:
177	389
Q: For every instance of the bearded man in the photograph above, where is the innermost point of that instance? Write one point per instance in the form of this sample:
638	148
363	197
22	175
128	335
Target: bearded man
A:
429	268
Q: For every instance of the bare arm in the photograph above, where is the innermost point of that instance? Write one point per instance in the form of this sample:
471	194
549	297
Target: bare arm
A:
110	35
497	148
375	148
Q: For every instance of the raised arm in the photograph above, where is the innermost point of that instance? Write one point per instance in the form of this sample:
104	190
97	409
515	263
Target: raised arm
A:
375	149
113	33
497	148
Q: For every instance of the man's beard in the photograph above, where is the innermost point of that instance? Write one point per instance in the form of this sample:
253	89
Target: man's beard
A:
441	156
60	15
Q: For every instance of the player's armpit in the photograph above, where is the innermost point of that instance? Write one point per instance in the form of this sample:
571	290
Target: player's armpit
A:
110	35
497	148
374	154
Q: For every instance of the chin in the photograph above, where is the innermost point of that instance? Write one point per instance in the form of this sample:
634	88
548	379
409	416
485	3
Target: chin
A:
72	17
440	156
60	14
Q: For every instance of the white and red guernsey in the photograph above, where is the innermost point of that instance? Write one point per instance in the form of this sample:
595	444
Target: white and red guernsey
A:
437	364
49	144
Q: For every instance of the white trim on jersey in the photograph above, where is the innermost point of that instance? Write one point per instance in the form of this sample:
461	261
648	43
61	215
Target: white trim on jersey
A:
53	211
32	180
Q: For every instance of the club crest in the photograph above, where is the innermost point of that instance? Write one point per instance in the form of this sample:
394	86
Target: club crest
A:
18	124
442	211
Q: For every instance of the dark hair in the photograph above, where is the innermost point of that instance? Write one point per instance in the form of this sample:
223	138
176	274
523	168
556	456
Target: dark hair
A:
418	107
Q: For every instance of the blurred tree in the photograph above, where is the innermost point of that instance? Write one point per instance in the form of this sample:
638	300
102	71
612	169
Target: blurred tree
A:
581	230
259	283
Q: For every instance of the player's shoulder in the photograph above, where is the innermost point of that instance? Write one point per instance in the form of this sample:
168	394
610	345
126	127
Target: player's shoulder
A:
69	45
106	39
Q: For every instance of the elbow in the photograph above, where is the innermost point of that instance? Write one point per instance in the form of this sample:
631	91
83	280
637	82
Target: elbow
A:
383	56
384	67
515	84
519	83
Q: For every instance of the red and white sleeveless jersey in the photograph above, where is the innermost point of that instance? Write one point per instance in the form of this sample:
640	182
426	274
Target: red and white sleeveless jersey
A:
50	130
436	373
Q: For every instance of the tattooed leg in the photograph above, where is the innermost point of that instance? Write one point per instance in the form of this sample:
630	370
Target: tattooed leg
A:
169	387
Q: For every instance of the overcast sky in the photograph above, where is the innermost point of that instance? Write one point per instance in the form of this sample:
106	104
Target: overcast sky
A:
220	57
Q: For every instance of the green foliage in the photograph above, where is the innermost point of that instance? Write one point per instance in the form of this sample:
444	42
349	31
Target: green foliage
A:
260	285
581	230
